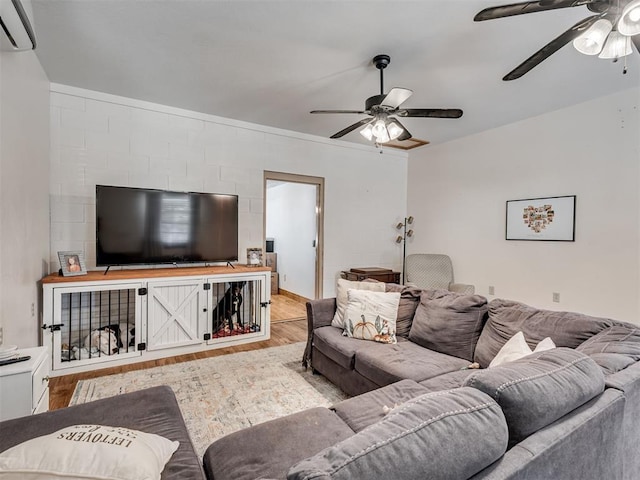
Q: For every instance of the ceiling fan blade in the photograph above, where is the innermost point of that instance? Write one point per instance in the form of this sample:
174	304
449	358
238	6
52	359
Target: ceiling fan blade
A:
565	3
552	47
351	128
338	111
396	97
526	7
430	112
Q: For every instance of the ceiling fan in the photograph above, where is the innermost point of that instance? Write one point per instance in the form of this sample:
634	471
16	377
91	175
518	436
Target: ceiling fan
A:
608	33
383	126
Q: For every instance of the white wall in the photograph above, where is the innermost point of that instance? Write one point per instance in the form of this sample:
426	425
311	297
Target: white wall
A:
24	199
291	221
103	139
457	192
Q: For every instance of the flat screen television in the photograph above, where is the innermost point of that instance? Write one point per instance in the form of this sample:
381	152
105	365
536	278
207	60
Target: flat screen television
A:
145	226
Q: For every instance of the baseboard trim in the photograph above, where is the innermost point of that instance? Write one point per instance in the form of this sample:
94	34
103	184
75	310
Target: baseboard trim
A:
293	296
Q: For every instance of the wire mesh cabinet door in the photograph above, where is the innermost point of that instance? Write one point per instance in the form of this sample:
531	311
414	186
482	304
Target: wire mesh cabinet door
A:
176	313
239	308
94	323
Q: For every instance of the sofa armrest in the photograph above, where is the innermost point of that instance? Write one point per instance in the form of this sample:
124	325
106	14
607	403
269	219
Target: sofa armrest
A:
319	314
462	288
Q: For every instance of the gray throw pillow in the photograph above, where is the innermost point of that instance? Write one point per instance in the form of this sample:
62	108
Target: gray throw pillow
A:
506	318
409	300
449	324
450	434
538	389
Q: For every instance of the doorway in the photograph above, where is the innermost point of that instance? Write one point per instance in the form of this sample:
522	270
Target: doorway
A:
293	226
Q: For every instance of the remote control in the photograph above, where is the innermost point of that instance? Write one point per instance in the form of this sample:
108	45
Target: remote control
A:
14	360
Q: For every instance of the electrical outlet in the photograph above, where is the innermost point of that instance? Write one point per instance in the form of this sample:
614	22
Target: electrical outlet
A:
33	310
284	277
1	336
556	297
492	290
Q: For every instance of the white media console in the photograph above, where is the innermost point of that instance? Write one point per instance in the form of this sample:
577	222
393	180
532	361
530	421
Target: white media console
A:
151	313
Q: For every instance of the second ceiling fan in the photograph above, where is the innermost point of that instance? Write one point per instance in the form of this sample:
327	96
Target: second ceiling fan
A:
608	33
382	126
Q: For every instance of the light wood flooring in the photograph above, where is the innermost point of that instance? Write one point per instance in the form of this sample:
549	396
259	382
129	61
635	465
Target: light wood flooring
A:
287	306
288	325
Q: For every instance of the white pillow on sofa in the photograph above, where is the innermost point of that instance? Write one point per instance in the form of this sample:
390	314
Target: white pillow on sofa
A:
371	315
517	347
89	452
341	296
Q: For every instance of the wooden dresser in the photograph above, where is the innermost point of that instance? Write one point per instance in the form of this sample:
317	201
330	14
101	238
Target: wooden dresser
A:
376	273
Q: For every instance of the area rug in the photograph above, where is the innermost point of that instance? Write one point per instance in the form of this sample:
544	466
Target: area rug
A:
223	394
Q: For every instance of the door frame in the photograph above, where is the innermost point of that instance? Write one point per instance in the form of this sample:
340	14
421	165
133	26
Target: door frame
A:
309	180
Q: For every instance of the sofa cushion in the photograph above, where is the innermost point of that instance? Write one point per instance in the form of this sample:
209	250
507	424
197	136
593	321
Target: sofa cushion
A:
342	350
406	360
246	454
342	299
614	348
371	315
449	324
409	300
506	318
447	381
457	433
537	390
366	409
88	452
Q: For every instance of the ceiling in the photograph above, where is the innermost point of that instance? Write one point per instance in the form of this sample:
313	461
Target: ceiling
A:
272	61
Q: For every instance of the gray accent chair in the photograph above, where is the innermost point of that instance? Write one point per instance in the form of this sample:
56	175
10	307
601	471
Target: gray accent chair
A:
433	271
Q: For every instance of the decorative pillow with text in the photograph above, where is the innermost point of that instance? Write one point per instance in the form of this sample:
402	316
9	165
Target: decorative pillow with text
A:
89	452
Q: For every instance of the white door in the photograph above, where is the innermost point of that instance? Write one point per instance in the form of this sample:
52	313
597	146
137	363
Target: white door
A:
176	313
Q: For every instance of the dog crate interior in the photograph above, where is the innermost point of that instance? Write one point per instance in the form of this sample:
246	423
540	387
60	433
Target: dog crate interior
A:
97	324
236	308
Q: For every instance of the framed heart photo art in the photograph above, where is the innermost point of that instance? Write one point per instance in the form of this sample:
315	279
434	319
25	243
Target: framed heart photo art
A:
548	219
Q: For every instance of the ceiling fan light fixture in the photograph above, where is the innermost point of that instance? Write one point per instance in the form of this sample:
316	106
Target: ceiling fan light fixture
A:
394	129
629	23
367	132
616	46
592	41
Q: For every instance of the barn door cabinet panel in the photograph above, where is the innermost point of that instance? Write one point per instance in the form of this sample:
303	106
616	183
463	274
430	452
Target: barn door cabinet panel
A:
177	313
127	316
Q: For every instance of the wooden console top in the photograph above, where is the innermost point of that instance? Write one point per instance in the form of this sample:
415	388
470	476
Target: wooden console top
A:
99	276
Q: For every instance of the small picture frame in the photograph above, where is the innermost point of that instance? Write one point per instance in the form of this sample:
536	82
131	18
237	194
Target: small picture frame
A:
254	257
72	264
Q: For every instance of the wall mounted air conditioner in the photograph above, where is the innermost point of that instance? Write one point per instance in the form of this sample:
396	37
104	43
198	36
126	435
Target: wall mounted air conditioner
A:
16	31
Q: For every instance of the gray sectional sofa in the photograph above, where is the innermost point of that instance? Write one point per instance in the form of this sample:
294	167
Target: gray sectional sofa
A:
419	411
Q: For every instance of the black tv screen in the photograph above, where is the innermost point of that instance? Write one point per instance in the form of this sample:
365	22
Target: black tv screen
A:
144	226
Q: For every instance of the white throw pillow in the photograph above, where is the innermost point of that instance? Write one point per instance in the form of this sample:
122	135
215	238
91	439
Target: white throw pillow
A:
371	315
89	452
341	296
545	344
517	347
